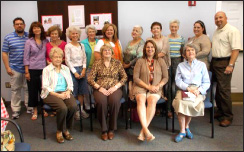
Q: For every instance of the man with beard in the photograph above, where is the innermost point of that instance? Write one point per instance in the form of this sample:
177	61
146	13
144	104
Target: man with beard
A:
12	55
225	49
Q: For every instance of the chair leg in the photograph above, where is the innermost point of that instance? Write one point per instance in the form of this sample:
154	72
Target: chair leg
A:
81	125
126	115
173	120
130	114
43	123
212	120
166	114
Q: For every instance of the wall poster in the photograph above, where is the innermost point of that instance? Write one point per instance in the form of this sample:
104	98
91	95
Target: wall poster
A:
50	20
98	20
76	15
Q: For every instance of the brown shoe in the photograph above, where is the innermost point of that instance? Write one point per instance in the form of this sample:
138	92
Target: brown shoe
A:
60	139
104	136
68	136
110	135
225	123
170	115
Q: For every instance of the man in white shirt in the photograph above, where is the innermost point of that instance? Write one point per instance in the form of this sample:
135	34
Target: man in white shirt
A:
225	49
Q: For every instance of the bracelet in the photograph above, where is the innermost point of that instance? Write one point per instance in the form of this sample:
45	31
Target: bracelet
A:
116	87
231	65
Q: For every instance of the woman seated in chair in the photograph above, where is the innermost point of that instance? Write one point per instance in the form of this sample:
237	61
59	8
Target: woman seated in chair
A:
191	76
106	77
150	75
57	86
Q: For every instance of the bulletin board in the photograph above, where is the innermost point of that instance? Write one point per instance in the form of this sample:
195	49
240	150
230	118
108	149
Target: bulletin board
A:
47	8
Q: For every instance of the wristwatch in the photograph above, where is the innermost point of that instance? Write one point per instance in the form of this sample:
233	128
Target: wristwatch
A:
231	65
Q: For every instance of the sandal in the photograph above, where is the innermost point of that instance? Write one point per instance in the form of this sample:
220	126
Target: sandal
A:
45	113
53	114
34	117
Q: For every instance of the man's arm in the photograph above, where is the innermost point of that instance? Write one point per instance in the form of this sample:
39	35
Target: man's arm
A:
229	69
6	63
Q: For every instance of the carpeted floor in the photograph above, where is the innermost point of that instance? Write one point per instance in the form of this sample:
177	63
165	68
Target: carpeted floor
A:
226	139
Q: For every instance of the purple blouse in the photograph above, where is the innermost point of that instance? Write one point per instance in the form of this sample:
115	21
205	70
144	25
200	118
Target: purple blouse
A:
34	54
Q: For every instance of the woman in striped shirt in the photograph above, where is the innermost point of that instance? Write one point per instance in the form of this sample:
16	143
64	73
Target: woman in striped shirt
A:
176	43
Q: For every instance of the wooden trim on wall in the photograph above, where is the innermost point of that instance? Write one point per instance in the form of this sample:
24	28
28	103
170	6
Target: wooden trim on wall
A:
91	7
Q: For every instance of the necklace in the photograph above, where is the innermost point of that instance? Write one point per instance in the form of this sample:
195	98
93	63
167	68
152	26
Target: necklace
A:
38	45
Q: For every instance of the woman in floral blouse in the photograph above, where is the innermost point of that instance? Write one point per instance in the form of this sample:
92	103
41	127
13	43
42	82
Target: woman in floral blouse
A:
106	77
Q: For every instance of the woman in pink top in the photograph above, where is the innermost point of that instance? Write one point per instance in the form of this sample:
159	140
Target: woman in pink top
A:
55	33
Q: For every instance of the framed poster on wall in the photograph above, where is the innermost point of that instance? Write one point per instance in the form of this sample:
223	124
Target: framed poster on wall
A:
99	19
50	20
76	15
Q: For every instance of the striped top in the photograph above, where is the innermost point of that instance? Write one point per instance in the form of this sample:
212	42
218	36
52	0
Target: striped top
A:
14	45
175	46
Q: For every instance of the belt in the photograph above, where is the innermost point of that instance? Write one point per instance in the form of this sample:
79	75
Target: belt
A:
221	59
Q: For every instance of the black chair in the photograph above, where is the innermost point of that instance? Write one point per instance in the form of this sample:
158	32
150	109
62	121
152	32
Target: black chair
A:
46	107
161	102
208	102
22	146
123	102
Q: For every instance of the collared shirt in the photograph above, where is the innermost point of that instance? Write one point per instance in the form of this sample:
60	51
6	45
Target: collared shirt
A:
34	54
50	79
75	56
14	45
196	74
107	77
225	40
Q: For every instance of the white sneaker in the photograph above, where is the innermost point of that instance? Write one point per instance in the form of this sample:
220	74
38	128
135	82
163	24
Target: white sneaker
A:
29	110
84	114
77	115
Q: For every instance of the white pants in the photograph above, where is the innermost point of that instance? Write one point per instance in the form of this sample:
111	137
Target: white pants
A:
17	82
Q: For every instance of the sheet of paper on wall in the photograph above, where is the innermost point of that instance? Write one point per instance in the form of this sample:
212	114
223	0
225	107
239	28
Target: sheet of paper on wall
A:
188	96
76	15
99	19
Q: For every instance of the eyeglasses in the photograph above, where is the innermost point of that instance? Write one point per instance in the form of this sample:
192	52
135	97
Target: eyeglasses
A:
17	24
57	57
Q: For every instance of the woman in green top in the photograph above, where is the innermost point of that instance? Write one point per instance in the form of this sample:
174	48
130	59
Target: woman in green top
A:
89	44
132	52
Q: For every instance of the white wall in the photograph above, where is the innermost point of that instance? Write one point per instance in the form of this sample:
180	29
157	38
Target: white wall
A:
144	13
10	10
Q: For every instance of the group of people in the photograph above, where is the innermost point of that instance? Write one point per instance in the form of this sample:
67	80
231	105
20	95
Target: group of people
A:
61	73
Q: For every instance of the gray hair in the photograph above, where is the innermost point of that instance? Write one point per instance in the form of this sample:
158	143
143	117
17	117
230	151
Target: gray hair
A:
56	50
72	28
139	26
174	21
188	45
90	26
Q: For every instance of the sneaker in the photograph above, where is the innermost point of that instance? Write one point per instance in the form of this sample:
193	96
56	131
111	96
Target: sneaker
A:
15	115
84	114
29	110
77	115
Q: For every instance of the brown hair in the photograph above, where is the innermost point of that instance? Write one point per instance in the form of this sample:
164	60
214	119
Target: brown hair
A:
105	27
155	47
54	28
156	23
37	24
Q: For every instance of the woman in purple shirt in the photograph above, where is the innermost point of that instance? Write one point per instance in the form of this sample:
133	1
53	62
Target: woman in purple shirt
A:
35	61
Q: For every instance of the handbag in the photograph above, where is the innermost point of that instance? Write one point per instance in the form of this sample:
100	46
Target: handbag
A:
7	141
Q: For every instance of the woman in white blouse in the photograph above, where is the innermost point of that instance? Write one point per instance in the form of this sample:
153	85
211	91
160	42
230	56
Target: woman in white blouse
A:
75	59
56	92
109	37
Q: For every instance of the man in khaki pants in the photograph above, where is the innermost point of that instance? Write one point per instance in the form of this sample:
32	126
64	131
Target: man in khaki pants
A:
225	50
12	55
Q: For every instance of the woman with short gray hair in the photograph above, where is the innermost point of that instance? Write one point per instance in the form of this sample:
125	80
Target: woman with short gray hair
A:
132	52
192	79
176	43
75	59
89	43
